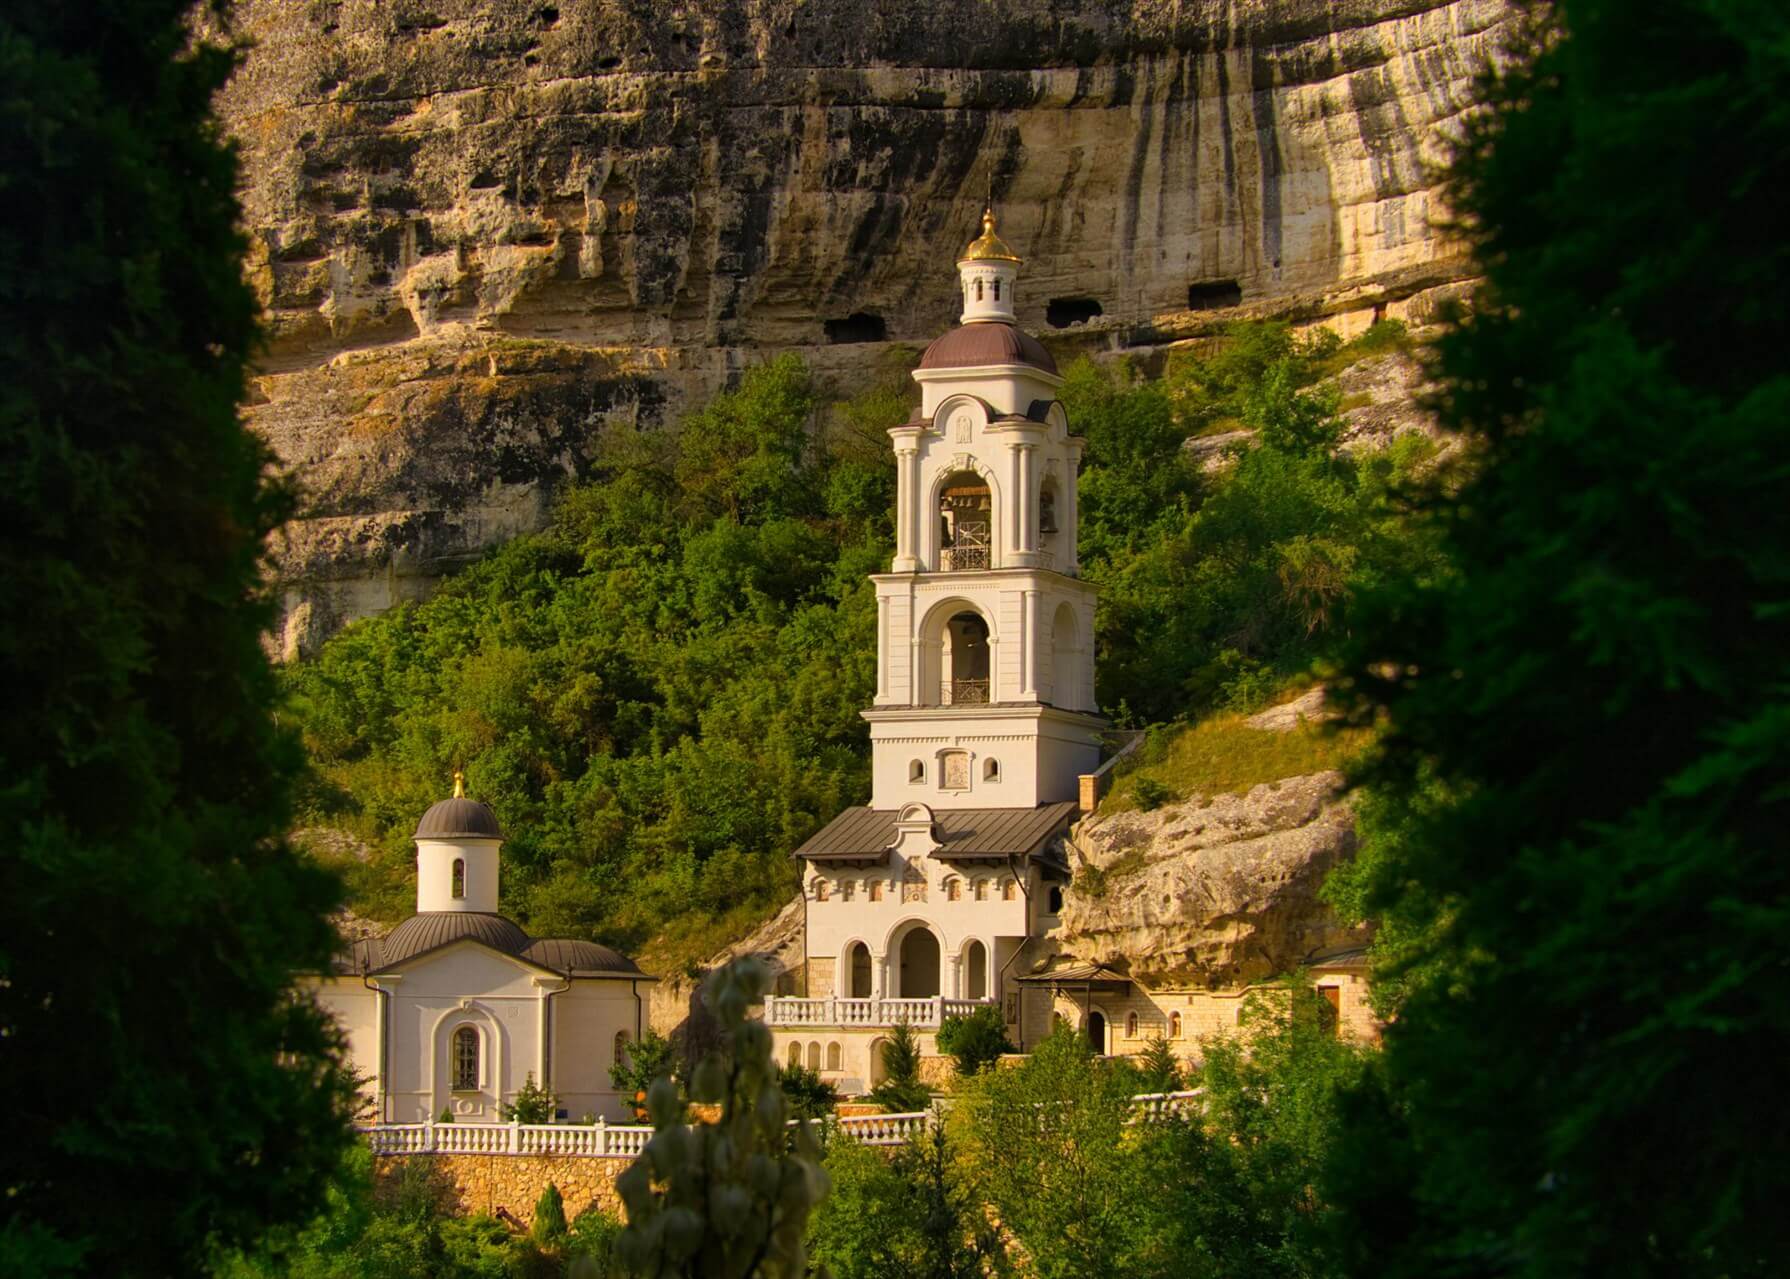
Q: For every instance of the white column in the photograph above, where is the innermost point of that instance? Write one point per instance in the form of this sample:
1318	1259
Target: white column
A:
954	987
916	538
904	521
879	973
1015	506
1066	519
1028	654
1028	521
882	648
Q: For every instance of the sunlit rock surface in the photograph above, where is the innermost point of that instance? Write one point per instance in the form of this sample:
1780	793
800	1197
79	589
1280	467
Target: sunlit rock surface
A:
485	230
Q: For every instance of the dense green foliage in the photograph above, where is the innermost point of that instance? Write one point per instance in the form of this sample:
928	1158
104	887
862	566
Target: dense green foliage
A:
549	1225
649	1058
914	1216
976	1041
1589	718
162	1090
900	1089
1159	1068
809	1096
728	1199
533	1104
405	1234
660	694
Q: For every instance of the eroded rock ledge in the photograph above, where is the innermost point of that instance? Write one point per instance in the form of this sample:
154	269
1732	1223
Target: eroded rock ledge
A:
487	229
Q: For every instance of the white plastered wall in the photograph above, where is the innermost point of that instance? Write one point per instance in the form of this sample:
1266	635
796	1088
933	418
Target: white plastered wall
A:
586	1019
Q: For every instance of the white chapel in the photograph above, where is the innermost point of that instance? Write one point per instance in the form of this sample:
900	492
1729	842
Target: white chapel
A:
919	905
456	1007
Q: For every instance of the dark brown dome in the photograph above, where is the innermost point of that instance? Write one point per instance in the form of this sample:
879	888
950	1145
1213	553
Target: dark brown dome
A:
984	343
458	819
569	956
434	928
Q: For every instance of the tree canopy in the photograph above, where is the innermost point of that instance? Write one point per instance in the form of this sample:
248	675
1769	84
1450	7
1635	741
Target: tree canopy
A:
1588	721
164	1092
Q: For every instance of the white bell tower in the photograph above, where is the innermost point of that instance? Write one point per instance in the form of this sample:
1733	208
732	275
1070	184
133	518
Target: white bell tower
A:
985	671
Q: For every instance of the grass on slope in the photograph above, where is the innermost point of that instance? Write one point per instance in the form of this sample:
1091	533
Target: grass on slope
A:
1224	755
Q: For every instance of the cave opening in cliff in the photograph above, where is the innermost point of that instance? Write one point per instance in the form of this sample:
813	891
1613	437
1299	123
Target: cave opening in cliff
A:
860	326
1060	313
1210	295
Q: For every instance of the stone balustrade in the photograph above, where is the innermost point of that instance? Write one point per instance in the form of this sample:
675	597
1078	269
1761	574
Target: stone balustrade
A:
788	1010
625	1141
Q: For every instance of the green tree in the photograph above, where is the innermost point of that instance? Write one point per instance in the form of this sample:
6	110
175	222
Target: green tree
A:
151	918
901	1090
533	1105
1588	718
1050	1144
549	1225
1159	1069
809	1096
650	1058
729	1199
914	1215
975	1041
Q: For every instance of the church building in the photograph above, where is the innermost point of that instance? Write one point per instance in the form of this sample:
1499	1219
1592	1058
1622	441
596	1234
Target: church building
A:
456	1007
926	903
919	905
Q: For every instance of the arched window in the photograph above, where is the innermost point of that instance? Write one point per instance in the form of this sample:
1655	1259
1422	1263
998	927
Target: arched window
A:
978	290
981	890
1131	1025
1174	1025
916	771
466	1059
795	1055
621	1048
1009	891
991	770
953	890
820	889
814	1057
835	1056
459	878
876	890
846	887
997	290
1056	900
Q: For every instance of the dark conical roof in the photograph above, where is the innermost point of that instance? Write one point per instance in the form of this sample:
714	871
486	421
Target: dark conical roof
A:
458	818
434	928
986	342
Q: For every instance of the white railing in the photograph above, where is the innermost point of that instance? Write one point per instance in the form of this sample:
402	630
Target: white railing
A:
625	1141
787	1010
599	1140
884	1130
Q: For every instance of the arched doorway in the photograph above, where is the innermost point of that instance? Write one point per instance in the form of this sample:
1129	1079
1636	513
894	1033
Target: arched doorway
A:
857	969
965	662
1097	1033
919	975
975	971
966	523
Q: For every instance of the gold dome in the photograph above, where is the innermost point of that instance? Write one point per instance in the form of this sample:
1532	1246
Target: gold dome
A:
988	247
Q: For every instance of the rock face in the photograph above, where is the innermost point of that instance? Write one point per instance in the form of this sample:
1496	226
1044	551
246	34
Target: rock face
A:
487	229
1214	892
675	1005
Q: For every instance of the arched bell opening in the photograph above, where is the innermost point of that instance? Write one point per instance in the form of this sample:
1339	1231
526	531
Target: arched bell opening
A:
965	662
966	523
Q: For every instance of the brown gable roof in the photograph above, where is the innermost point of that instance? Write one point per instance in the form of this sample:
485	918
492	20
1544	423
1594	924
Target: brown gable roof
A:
963	834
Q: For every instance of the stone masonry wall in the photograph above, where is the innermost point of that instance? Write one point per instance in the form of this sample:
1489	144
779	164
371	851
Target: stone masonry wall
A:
485	1183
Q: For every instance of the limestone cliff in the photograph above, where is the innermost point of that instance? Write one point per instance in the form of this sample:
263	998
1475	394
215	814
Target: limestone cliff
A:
485	229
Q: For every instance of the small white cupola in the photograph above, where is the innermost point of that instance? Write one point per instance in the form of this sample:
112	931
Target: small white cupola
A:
457	843
987	271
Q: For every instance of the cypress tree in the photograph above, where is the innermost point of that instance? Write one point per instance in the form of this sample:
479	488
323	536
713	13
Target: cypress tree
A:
164	1093
1589	716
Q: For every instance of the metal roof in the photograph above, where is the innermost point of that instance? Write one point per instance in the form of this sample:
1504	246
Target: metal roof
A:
570	956
963	834
1075	975
986	342
431	930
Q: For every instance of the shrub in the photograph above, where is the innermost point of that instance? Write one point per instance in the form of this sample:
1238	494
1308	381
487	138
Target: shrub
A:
1158	1068
809	1095
1151	794
533	1105
550	1216
975	1042
901	1090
